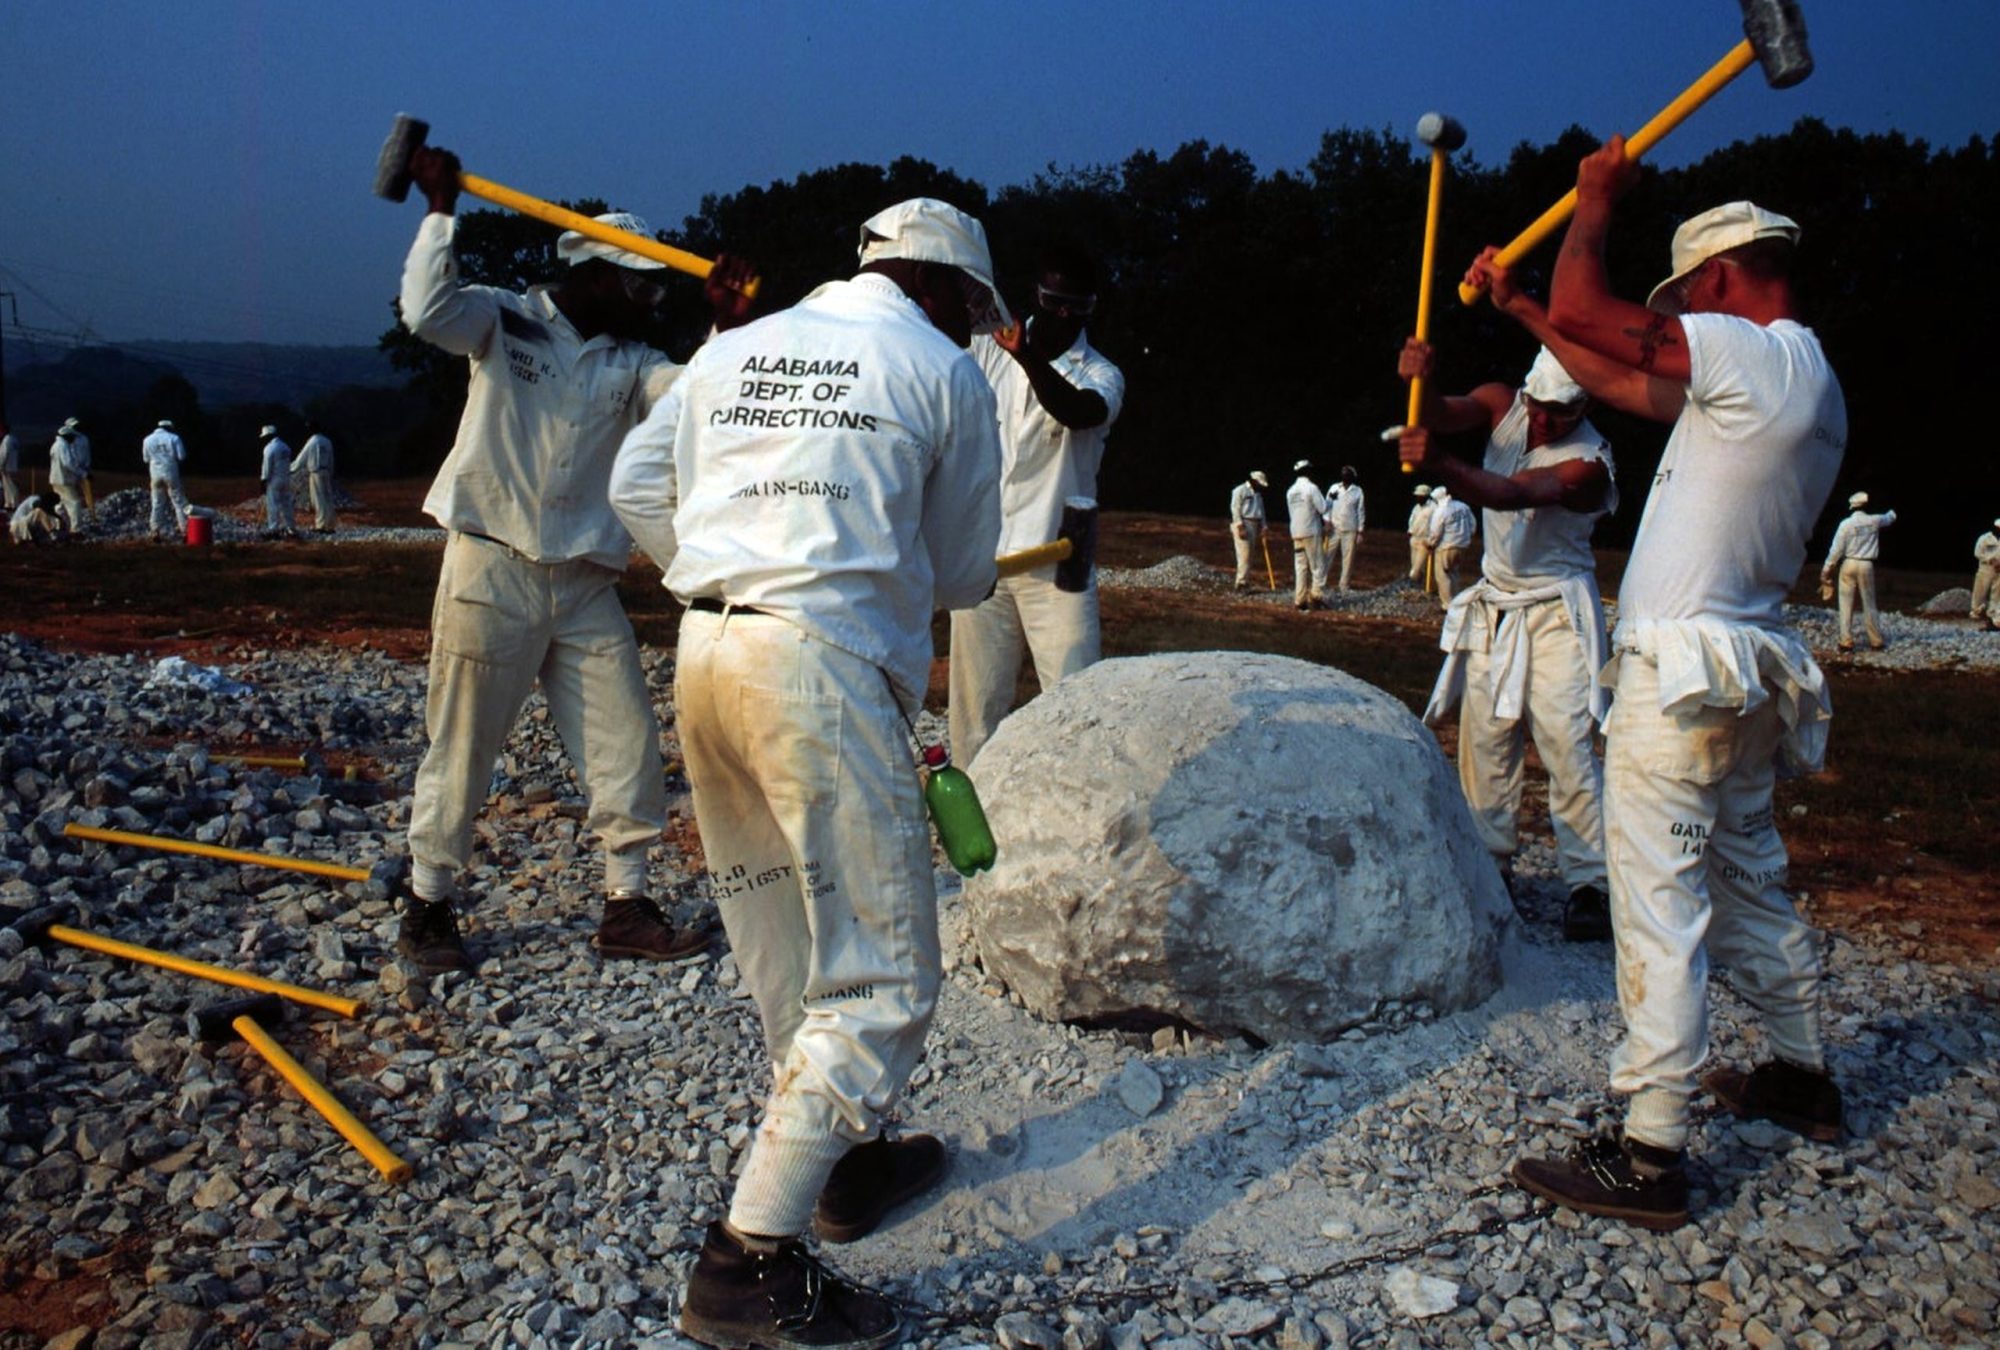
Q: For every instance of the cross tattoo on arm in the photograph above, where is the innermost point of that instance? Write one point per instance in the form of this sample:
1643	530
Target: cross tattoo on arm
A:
1651	339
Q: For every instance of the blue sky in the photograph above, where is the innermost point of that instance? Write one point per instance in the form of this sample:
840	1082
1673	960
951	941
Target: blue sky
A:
202	171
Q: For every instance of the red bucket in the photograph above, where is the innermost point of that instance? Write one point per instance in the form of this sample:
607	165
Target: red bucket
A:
201	531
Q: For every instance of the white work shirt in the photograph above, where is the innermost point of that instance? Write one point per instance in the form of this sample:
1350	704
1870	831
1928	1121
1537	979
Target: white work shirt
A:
277	461
1420	521
1346	512
1538	546
1043	462
1746	472
10	453
1859	537
544	412
1246	503
69	460
1452	525
1306	506
836	464
25	508
315	456
164	453
1987	549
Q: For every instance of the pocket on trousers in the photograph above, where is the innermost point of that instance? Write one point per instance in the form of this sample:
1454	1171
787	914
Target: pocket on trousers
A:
479	615
793	742
1698	747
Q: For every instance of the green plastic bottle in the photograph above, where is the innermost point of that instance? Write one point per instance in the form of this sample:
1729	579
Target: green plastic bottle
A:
955	810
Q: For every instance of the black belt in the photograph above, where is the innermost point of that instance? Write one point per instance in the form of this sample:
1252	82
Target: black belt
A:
708	604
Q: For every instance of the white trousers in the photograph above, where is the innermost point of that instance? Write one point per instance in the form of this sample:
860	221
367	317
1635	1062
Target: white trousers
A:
321	482
1448	561
499	624
1697	868
1342	546
73	507
1857	579
1249	537
170	507
1308	569
1420	561
1556	713
278	503
1059	629
1985	589
10	491
819	858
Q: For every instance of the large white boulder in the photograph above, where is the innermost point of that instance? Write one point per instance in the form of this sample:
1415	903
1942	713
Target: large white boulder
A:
1239	842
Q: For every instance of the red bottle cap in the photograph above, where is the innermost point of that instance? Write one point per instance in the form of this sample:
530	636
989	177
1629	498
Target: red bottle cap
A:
936	756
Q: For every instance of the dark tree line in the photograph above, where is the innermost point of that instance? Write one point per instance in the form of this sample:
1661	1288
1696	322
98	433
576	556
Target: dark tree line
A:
1257	316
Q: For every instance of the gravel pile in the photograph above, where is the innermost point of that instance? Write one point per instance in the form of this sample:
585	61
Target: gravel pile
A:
574	1124
127	514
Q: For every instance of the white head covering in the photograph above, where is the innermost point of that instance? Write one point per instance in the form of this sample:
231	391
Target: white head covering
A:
1423	490
166	424
1257	477
1548	382
1857	501
1717	230
574	248
1302	466
1438	493
71	425
267	431
925	229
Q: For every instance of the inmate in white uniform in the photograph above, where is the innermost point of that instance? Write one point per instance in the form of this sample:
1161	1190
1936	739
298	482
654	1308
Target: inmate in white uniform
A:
1346	517
525	593
316	461
33	523
1524	647
1712	691
1856	545
1246	527
1451	534
834	469
164	454
1305	509
277	473
1986	573
1044	464
1420	542
10	468
69	466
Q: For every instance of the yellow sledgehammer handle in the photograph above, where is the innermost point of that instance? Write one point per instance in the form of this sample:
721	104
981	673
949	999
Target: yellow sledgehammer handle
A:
132	951
236	855
1431	206
1028	559
264	761
677	258
1638	143
322	1101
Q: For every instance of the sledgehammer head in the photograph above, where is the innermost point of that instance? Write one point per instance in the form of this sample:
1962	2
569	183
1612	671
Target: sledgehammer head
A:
35	924
1440	132
1079	526
392	167
216	1022
1777	33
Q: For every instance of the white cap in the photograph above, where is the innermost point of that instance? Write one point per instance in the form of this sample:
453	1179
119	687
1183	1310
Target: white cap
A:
71	425
166	424
1423	490
1257	477
574	248
1438	493
1548	382
1302	466
924	229
1858	500
267	431
1714	231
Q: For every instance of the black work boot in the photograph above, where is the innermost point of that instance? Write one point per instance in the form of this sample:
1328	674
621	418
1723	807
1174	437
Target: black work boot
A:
1616	1177
1806	1101
1587	916
429	937
634	926
780	1299
873	1179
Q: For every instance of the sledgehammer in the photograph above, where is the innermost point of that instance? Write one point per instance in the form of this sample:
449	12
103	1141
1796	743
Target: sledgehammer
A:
44	925
392	180
1443	135
1775	37
1073	551
245	1017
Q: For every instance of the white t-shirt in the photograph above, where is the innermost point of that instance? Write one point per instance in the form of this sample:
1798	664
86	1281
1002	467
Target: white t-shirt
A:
278	462
1746	472
1345	509
1306	506
1859	537
1452	525
1538	546
163	453
836	464
544	412
1043	462
1246	503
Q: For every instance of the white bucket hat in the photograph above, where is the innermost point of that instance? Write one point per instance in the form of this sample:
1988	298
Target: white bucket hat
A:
267	431
1714	231
1858	500
574	248
1438	493
1423	490
166	424
1302	466
1257	477
1548	382
71	425
924	229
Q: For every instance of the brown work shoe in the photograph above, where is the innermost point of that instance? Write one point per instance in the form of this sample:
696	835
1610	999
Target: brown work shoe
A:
777	1296
1615	1177
873	1179
634	926
1804	1101
429	937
